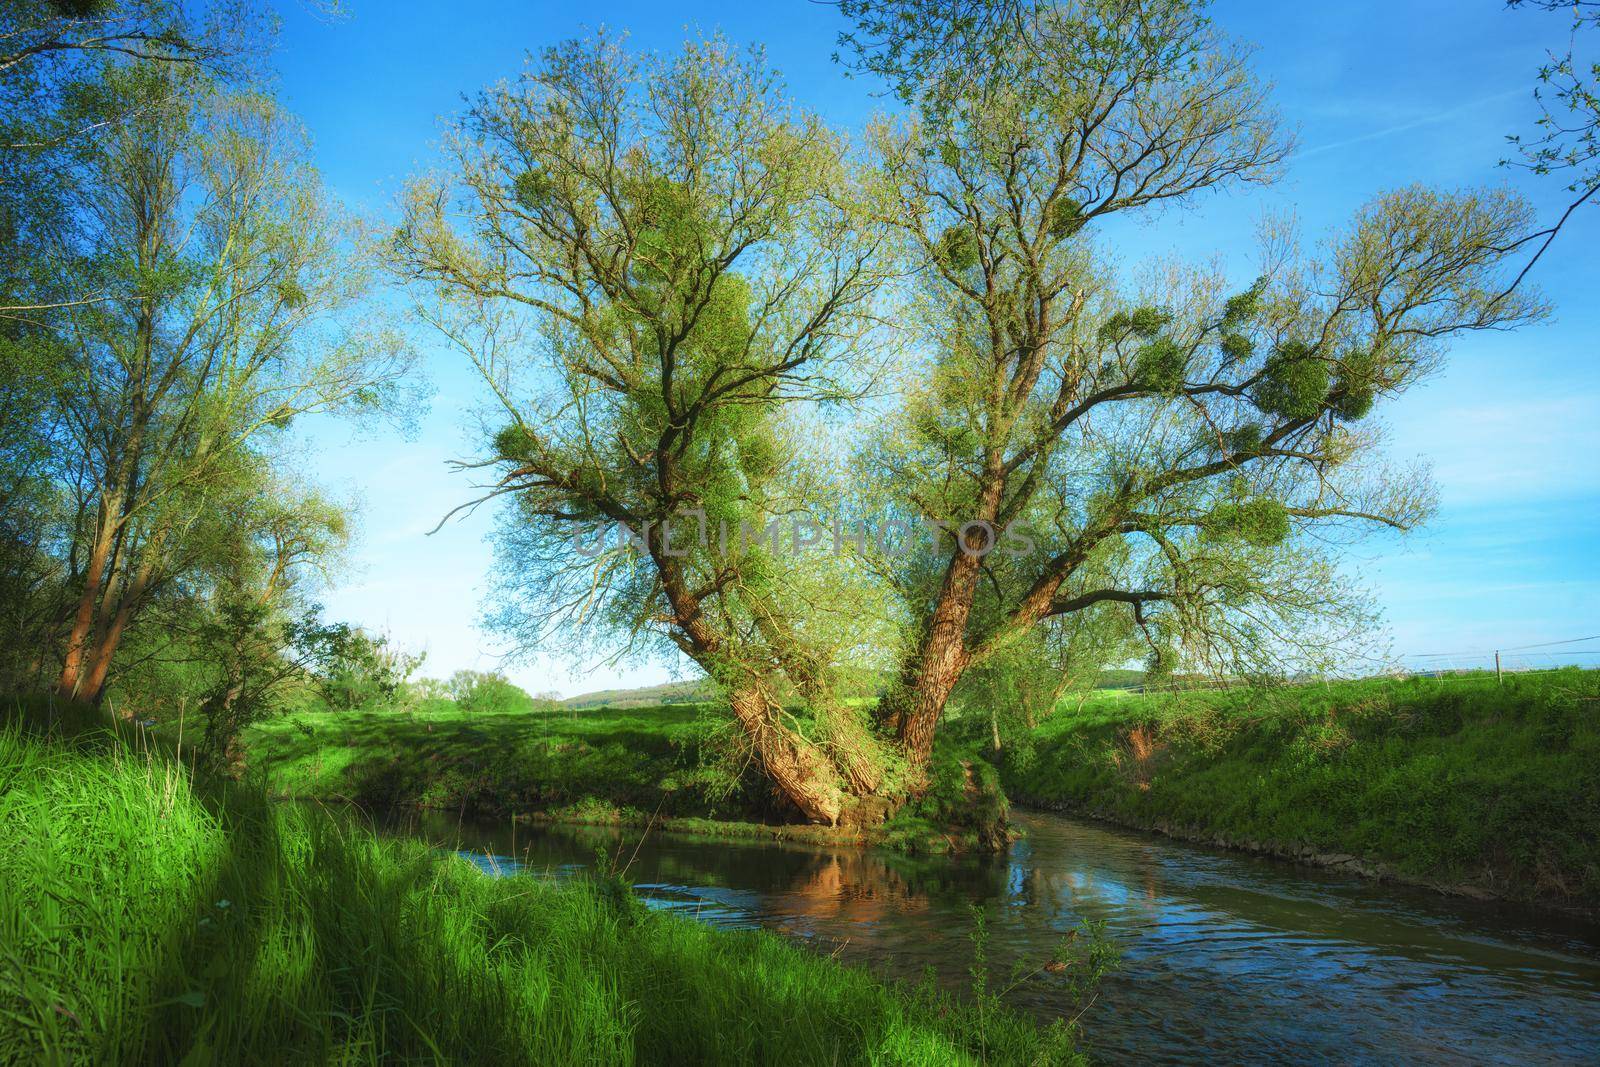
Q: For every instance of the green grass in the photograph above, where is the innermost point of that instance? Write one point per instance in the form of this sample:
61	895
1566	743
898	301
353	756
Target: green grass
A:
143	920
1456	780
628	766
607	764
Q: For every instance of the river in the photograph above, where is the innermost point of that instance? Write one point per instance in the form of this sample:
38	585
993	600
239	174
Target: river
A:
1225	956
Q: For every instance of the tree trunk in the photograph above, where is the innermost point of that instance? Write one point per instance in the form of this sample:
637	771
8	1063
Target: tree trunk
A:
931	675
69	684
923	701
794	765
851	745
93	682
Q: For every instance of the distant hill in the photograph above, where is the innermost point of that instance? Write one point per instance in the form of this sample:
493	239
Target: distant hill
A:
1119	680
666	693
864	683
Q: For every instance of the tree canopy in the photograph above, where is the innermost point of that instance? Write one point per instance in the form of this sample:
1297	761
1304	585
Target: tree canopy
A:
665	272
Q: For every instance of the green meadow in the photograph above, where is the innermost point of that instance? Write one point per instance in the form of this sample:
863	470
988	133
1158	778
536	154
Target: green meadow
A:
492	761
147	920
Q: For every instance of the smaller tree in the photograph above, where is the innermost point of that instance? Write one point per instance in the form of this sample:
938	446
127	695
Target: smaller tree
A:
263	654
235	302
359	668
422	690
258	637
488	692
1024	681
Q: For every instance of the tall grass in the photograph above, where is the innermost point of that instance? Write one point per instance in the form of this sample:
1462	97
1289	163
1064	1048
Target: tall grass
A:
145	920
1459	779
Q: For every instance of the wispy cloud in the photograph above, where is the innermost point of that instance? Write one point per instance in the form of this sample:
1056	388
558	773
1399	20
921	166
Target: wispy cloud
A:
1429	119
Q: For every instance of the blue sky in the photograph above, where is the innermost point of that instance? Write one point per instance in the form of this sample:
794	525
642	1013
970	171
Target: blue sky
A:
1382	94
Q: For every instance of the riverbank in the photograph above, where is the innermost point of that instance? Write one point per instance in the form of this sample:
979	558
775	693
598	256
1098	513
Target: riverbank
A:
660	766
488	763
1224	957
1461	784
146	920
1458	783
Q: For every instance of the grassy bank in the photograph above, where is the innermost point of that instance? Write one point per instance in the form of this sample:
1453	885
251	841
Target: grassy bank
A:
144	921
603	763
611	766
1459	782
1455	781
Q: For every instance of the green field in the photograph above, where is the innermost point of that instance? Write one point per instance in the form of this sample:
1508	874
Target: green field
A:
145	920
640	765
645	759
1458	781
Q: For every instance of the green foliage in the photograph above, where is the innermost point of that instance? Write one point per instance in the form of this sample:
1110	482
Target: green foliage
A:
358	668
1019	684
1144	322
495	761
533	188
146	921
1261	522
1244	439
1066	218
1294	383
514	443
1085	955
1355	385
1242	308
160	428
246	641
1565	139
1160	365
1148	321
83	9
958	248
488	693
1455	779
671	230
704	265
1236	347
963	808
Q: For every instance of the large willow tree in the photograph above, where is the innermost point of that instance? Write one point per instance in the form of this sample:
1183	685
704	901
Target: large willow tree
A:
649	260
652	262
1181	451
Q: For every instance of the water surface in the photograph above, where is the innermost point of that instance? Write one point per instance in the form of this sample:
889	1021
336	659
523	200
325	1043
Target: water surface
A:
1224	956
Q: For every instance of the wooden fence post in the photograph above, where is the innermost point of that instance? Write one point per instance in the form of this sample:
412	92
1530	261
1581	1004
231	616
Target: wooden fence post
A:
1497	677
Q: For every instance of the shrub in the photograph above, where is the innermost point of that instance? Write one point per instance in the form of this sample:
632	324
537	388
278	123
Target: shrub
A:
488	692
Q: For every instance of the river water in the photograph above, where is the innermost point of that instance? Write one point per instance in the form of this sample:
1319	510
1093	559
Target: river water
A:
1225	956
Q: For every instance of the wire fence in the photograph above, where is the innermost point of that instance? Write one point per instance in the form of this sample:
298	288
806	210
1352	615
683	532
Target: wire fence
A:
1513	659
1580	652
